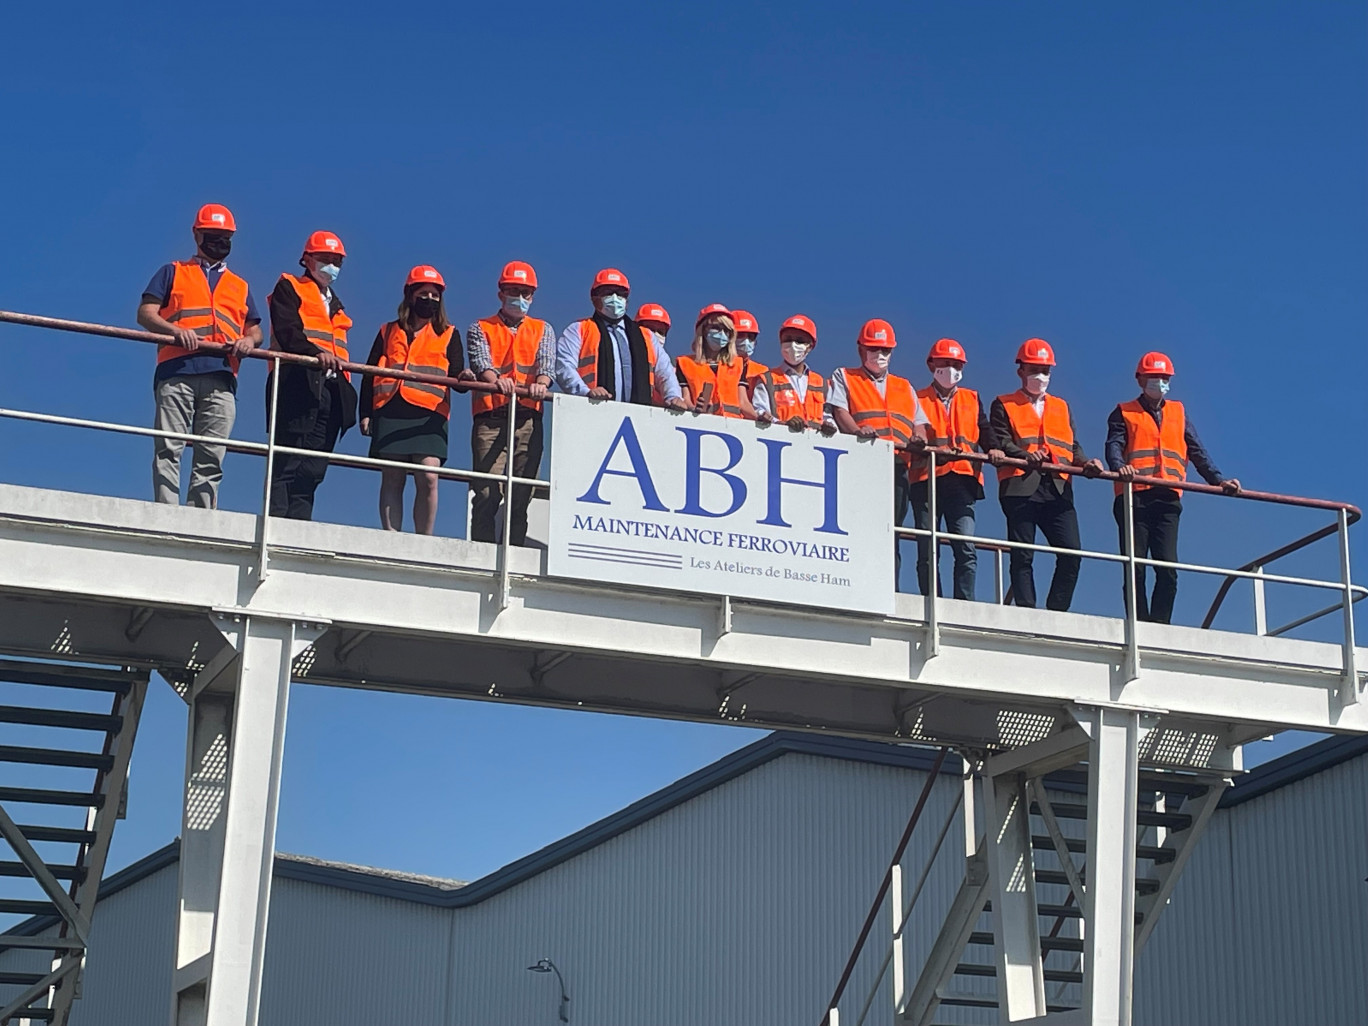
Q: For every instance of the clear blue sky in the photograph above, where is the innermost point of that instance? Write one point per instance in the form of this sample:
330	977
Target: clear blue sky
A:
1113	177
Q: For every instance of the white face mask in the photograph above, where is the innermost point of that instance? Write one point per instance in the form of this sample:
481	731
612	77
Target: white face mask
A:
1037	384
1156	388
947	377
794	353
612	307
328	271
716	339
876	360
517	306
745	344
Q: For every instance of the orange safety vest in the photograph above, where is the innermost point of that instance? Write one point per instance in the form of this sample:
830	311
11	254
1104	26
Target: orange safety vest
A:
514	355
892	415
957	428
717	389
425	353
1154	450
589	349
326	332
218	316
754	372
784	401
1051	433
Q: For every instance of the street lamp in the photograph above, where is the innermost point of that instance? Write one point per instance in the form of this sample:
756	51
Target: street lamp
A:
545	965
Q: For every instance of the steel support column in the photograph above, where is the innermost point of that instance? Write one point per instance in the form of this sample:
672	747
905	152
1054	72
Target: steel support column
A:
232	786
1011	872
1109	941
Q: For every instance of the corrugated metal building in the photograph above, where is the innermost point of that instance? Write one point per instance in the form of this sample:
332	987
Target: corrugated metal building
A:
734	896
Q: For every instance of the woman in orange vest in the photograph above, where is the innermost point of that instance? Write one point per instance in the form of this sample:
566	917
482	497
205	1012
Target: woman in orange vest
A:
713	378
1032	425
958	421
1151	436
407	420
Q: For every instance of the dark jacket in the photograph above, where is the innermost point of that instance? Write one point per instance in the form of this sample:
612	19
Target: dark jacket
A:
301	388
1032	482
1197	453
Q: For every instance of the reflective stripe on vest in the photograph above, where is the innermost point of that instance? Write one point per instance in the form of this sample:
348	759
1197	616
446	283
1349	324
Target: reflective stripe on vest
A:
1050	433
958	429
1155	450
514	355
588	359
425	353
715	389
784	401
892	415
218	316
325	331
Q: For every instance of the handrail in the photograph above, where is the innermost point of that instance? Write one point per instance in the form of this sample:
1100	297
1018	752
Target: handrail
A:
898	853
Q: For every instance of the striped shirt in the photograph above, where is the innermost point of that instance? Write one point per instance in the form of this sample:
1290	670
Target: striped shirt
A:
477	349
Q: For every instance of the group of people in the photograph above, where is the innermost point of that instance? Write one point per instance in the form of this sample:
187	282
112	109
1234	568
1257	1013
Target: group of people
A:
610	356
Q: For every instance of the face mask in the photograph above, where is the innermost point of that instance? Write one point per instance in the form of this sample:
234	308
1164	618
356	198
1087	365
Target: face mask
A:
716	338
1036	384
876	361
1156	388
947	377
328	271
216	247
517	306
794	353
612	307
426	307
745	345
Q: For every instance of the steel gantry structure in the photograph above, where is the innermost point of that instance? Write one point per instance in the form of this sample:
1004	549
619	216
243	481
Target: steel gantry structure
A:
1081	735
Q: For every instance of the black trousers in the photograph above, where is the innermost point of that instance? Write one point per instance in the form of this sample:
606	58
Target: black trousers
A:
1058	522
1156	537
900	504
295	479
955	496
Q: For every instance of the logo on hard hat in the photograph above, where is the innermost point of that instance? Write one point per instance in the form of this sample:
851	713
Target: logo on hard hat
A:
614	277
1160	364
330	242
880	334
520	274
217	218
429	273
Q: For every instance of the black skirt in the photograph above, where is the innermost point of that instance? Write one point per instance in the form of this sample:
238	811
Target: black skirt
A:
400	429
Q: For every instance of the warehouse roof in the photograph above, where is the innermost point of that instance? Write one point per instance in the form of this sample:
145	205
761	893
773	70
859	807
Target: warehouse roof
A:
446	893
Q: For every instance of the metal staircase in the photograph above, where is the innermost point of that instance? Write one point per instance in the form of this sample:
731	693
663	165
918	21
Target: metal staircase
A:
66	735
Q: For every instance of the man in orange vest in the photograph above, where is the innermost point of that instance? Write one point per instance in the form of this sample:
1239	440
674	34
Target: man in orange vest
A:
197	301
958	421
792	393
872	403
654	317
317	404
509	349
1032	425
1151	436
630	368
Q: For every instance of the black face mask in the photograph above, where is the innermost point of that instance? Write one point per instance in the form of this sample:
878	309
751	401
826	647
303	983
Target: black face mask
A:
426	308
216	247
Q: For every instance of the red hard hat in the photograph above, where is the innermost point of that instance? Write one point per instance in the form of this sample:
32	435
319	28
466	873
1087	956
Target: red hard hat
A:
709	310
653	313
947	349
877	334
324	242
215	216
803	324
1036	350
516	272
1155	363
746	324
610	276
425	274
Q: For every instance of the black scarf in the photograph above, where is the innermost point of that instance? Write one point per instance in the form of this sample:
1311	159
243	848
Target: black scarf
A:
607	361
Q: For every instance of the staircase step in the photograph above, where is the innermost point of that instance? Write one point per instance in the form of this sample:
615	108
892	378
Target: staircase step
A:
36	1014
81	679
68	718
1049	911
1078	845
40	796
1168	783
1047	944
1146	817
56	757
987	1001
1143	884
10	868
26	907
20	979
1051	975
62	835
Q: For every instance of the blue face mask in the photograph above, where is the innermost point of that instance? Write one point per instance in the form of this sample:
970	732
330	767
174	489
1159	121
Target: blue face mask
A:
329	271
745	344
717	339
1156	388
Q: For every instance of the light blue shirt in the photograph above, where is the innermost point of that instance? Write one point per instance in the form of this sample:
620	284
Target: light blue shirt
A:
567	364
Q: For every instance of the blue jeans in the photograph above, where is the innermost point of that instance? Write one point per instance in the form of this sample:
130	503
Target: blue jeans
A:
955	495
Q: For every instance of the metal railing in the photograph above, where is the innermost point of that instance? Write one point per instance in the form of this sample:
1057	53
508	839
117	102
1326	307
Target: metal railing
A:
1255	571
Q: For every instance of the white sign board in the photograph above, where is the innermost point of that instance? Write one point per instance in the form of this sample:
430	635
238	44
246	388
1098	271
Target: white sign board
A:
642	495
